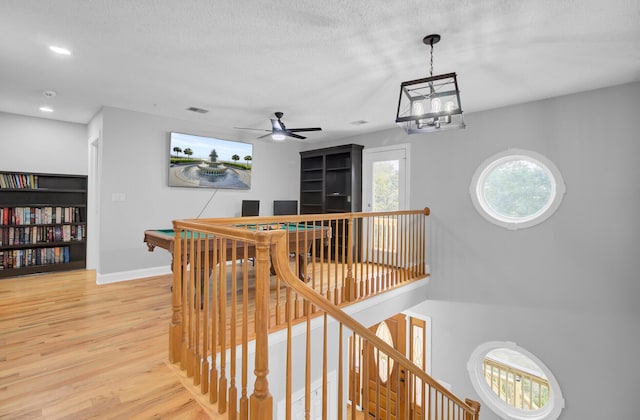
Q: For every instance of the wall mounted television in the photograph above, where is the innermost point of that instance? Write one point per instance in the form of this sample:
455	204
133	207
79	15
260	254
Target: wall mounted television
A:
209	162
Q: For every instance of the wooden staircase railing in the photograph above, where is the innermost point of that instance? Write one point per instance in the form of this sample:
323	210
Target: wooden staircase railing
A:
224	309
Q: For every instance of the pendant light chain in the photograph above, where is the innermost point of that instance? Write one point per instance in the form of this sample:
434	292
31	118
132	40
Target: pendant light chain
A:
431	89
431	53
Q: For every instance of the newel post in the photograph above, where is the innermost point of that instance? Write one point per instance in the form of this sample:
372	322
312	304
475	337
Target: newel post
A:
175	327
261	401
475	405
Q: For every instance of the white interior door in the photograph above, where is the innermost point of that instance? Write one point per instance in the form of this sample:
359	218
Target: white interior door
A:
385	186
385	181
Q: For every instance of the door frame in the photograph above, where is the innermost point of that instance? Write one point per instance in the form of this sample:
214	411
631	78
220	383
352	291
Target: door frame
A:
367	183
93	203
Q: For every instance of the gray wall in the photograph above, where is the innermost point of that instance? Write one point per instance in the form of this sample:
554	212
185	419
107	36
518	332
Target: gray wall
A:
567	290
29	144
135	158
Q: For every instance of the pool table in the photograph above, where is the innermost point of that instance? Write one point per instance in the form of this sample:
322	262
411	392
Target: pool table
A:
298	243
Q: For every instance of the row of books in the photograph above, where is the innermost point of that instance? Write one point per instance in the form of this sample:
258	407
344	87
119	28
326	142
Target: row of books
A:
19	258
41	234
39	215
18	181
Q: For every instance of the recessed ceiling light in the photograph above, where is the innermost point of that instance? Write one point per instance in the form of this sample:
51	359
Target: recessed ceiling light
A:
46	109
59	50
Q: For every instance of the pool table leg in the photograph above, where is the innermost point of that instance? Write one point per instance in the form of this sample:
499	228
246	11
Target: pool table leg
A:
301	264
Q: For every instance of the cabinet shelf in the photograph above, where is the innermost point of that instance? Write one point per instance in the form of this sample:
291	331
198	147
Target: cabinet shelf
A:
29	190
34	269
42	245
42	223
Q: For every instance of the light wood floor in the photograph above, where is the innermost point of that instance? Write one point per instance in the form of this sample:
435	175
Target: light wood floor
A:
71	349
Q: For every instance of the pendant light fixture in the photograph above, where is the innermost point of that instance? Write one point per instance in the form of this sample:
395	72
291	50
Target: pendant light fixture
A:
431	104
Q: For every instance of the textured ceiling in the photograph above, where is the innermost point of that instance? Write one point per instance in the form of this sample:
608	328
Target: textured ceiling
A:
323	63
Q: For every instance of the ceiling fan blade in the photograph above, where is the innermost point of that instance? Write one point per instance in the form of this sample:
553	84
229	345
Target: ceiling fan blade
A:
246	128
266	135
295	136
293	130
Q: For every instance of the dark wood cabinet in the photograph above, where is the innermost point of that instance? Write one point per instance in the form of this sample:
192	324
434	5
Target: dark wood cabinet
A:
331	180
43	223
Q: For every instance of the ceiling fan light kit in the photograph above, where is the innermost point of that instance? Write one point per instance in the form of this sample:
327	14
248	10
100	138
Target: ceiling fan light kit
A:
430	104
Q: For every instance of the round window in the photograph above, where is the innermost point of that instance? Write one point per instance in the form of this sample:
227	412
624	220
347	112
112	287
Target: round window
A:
514	383
517	189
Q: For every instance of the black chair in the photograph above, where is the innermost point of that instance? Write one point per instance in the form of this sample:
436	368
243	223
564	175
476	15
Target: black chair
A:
285	207
250	208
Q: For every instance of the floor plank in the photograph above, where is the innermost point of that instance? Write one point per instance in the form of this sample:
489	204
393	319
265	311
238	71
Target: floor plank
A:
71	349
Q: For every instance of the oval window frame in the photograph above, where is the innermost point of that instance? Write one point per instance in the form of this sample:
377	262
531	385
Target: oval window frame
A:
476	189
551	409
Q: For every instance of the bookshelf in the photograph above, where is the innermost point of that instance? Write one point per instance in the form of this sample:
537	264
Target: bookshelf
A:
43	223
331	182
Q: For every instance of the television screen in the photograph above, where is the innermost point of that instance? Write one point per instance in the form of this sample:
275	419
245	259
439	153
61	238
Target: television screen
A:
208	162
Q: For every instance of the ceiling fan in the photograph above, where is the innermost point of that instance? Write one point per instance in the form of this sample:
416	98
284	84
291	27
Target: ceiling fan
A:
279	131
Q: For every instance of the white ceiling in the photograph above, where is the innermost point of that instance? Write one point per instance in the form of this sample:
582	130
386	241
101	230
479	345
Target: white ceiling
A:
323	63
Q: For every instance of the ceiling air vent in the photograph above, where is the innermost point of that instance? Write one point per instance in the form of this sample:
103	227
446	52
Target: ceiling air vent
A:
198	110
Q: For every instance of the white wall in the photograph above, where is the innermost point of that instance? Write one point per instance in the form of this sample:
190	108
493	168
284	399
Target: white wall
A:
29	144
567	290
135	158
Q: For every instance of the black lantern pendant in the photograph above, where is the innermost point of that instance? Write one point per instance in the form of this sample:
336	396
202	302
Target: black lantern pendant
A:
430	104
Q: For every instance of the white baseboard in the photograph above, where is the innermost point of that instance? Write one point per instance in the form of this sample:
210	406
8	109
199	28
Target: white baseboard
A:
132	274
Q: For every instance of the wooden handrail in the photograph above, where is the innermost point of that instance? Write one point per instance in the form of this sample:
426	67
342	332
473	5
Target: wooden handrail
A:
280	262
202	223
361	260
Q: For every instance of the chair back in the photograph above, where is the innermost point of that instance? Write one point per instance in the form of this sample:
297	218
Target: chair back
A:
285	207
250	208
